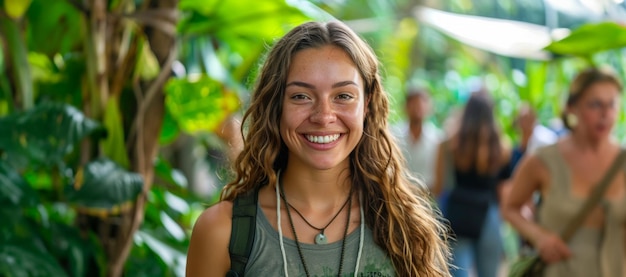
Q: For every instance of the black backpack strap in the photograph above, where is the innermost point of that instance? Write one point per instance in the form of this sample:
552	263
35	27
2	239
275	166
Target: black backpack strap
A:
243	231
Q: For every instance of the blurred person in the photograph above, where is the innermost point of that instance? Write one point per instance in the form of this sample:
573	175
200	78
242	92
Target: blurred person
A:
451	123
565	173
418	138
532	135
333	196
478	158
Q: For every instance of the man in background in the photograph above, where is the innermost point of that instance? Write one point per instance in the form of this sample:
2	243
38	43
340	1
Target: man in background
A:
418	137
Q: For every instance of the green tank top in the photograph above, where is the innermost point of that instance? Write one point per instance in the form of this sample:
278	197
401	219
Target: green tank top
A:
322	260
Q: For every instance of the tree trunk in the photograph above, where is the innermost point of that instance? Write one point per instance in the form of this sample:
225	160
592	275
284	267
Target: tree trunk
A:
148	123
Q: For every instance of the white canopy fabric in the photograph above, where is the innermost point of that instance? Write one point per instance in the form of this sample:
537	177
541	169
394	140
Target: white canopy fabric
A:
504	37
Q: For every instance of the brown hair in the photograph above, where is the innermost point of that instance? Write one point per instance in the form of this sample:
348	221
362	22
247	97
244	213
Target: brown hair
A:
401	217
478	128
586	79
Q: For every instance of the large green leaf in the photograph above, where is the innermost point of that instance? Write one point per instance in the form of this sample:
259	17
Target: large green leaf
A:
253	19
147	64
237	30
14	190
18	258
75	250
60	78
537	75
169	130
199	104
164	171
54	27
143	262
113	145
591	38
103	187
44	134
173	258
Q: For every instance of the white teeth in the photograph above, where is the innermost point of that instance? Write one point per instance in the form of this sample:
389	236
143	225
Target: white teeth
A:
322	139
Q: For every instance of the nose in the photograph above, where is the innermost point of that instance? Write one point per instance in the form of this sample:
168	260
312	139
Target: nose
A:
323	113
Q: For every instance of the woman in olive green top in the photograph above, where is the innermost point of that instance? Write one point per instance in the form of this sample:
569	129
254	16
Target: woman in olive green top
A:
565	174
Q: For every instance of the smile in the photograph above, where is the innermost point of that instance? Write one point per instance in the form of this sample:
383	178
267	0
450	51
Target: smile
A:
322	139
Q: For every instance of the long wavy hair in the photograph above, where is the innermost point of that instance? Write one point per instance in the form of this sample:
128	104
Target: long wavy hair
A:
478	144
401	216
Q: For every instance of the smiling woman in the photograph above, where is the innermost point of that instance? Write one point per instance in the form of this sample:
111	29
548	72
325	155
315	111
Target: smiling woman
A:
323	109
324	174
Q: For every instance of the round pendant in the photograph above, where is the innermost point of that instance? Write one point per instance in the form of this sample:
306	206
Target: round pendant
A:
320	239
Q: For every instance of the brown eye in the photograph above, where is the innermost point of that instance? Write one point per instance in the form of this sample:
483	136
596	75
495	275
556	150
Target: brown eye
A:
345	96
299	97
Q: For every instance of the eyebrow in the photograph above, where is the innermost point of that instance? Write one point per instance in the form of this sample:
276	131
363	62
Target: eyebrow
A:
344	83
307	85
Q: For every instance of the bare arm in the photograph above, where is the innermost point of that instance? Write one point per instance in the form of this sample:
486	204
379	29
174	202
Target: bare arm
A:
208	250
530	176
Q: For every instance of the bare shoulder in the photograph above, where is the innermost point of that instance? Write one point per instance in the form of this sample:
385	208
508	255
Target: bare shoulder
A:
218	216
208	248
532	169
532	163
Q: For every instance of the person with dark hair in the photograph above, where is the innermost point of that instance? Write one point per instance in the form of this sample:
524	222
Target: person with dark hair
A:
477	157
565	173
418	138
333	195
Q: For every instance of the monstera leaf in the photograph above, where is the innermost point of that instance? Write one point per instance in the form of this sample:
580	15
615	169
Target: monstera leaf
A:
102	187
45	134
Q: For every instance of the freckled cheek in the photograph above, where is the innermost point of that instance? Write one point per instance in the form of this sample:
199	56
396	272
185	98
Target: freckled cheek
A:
355	116
292	118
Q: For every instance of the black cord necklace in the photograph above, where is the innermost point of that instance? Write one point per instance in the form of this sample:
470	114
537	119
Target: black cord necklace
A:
321	237
295	236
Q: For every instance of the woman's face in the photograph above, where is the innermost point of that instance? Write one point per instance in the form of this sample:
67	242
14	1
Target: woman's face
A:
597	110
323	109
